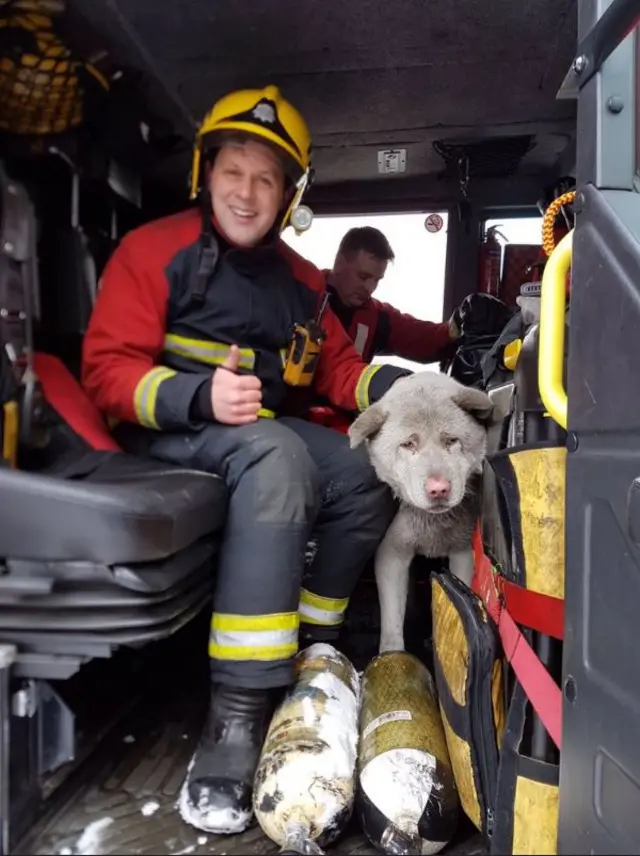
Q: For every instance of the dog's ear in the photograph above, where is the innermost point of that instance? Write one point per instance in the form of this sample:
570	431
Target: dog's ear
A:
366	425
476	402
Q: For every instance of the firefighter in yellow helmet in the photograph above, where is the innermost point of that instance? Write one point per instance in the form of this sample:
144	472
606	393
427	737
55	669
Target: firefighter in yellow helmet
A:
276	123
190	350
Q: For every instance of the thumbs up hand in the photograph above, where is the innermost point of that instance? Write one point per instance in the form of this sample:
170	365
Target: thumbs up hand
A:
232	362
235	398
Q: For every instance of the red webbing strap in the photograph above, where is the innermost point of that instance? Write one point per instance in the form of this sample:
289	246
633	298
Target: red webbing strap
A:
540	612
538	685
540	688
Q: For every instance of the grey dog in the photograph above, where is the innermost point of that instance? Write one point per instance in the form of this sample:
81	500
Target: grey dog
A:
427	440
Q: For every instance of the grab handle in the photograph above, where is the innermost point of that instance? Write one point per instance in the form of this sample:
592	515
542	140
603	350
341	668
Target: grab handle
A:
551	333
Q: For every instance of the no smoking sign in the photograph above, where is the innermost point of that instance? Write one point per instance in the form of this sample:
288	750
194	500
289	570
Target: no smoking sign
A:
434	223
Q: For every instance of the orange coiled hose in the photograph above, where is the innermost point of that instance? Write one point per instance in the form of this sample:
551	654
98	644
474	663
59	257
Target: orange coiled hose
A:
549	219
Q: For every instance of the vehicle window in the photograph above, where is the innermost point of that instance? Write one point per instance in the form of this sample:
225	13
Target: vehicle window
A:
414	282
519	230
520	240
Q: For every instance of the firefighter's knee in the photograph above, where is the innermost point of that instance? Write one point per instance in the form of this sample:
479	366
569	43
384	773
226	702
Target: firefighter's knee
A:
282	476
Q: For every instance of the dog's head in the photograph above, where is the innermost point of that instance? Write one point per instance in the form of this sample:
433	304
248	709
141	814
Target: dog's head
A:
426	438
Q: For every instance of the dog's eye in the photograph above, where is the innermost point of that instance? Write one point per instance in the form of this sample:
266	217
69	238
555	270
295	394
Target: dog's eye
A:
411	443
449	442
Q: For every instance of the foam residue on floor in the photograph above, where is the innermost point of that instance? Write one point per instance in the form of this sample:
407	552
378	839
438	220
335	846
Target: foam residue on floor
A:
89	842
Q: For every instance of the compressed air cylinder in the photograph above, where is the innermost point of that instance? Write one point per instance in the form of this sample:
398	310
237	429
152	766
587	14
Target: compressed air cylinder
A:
304	788
407	798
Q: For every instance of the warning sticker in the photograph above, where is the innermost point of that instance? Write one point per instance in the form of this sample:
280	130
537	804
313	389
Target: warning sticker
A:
383	719
433	223
392	161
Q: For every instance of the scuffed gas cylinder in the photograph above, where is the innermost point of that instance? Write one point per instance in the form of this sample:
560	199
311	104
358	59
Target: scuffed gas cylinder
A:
407	799
304	787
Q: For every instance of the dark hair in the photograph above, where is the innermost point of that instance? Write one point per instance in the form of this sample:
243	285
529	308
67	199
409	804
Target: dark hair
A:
218	139
368	239
214	141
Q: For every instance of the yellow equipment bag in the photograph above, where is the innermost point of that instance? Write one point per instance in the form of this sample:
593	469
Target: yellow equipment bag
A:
468	672
531	482
527	796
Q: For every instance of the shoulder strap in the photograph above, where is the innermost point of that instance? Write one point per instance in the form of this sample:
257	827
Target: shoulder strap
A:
209	252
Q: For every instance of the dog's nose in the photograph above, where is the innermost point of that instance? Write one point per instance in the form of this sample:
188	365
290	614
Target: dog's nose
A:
438	487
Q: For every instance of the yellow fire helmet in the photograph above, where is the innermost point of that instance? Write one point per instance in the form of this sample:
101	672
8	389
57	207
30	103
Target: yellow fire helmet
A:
266	115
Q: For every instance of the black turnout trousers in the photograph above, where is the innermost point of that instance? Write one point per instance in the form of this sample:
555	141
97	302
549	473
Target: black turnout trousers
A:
306	514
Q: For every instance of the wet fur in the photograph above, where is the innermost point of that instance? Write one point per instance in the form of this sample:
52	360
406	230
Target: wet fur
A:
426	425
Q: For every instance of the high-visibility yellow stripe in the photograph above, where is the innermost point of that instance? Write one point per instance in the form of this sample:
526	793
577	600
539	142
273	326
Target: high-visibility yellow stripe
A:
254	637
326	611
211	353
339	604
362	387
250	652
270	621
146	394
204	351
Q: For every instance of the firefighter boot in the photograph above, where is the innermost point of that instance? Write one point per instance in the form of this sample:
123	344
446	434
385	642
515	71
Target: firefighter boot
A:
216	796
309	634
356	647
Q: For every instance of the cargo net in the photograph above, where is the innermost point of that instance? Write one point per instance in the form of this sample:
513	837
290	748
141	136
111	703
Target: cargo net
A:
466	160
41	82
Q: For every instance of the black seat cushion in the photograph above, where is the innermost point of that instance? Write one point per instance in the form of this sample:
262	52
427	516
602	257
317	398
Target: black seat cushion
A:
110	508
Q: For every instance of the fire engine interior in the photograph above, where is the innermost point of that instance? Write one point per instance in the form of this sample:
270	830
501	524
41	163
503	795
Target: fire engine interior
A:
105	582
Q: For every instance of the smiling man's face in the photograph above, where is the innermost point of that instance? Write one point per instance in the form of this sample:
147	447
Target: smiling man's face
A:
247	191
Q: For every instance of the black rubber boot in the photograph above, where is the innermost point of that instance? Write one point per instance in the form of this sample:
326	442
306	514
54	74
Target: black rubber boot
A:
309	634
357	647
216	796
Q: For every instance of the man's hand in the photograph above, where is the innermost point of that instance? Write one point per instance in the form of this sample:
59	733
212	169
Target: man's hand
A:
235	398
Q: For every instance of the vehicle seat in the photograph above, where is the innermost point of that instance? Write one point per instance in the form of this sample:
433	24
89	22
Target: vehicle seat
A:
98	548
117	551
78	230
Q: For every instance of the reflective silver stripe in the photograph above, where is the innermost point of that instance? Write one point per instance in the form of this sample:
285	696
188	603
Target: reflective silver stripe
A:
315	615
360	340
253	638
210	353
317	609
253	644
146	394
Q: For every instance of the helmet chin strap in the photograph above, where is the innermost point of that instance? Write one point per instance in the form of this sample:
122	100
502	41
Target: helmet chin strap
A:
299	216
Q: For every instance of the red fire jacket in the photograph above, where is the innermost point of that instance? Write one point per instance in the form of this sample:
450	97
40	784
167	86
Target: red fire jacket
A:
379	329
151	347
